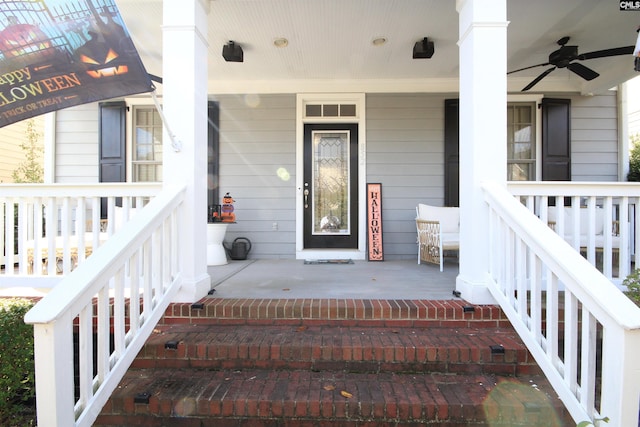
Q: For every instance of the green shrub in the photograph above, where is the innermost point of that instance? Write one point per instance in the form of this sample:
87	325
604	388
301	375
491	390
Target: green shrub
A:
632	282
17	376
634	159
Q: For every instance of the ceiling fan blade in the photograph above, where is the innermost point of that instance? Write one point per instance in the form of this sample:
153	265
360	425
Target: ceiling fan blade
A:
584	72
537	79
526	68
626	50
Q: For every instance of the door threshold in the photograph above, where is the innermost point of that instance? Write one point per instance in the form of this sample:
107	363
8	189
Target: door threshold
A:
331	254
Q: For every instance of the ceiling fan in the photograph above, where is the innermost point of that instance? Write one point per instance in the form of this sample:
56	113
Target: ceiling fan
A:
565	57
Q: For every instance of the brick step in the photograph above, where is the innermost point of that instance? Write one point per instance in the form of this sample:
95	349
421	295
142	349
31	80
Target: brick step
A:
419	313
285	363
291	398
346	348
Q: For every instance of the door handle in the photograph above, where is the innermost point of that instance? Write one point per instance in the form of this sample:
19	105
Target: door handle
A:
306	198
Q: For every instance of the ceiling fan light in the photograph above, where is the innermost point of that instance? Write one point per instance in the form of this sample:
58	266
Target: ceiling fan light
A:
565	57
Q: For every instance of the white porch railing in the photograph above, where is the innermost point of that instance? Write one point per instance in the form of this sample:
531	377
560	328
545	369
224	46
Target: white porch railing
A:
583	332
137	272
599	219
48	230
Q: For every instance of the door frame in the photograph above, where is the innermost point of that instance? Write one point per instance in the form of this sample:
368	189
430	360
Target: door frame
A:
358	99
339	240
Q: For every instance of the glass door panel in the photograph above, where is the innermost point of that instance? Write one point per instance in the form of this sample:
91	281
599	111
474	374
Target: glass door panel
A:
330	184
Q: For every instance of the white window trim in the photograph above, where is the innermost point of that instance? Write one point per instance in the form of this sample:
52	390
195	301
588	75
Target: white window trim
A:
324	98
131	103
50	148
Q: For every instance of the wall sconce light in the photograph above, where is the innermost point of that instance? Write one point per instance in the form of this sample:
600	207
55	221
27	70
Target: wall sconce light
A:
232	52
423	49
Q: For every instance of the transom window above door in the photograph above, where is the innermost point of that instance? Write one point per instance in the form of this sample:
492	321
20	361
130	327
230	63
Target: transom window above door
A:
329	110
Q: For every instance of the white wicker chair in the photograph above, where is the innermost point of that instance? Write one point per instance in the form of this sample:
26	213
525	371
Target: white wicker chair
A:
438	231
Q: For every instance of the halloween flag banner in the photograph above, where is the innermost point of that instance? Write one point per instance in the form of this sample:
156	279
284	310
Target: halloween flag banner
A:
56	54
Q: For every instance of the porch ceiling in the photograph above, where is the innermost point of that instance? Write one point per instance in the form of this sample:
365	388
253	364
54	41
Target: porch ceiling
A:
330	43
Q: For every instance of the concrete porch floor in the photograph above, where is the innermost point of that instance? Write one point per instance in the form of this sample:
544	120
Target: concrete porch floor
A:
289	278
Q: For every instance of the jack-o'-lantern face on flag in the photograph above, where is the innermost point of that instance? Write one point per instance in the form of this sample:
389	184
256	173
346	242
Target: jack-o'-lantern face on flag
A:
101	59
56	54
105	68
18	40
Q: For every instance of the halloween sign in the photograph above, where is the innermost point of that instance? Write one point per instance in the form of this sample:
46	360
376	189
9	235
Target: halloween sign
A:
374	222
60	53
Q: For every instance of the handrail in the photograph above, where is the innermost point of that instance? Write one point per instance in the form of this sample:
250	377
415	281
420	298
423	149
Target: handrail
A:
584	188
143	260
602	220
551	294
48	230
102	189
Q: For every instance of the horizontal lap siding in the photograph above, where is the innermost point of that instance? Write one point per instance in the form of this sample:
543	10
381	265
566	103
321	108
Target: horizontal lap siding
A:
76	154
405	152
255	142
594	138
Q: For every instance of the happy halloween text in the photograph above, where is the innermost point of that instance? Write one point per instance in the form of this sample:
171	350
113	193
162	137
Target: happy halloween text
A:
21	88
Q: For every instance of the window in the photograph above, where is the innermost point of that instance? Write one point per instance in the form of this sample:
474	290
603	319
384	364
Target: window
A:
330	110
521	151
147	145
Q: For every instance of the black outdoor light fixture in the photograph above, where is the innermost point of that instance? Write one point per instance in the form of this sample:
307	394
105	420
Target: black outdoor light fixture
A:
423	49
232	52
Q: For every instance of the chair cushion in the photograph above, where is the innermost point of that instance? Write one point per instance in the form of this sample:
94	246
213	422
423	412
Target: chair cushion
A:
449	217
450	241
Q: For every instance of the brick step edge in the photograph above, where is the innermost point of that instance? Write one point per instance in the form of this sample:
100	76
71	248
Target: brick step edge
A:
356	349
331	396
428	312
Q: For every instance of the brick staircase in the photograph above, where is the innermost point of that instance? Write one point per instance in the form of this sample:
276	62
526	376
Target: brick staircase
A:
316	362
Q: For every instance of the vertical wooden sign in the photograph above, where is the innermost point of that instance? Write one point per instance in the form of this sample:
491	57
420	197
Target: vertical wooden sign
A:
374	222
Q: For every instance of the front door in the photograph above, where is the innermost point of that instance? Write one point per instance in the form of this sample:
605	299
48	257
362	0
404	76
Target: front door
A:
330	192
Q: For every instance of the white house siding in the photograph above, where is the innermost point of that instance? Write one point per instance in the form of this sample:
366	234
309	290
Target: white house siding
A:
634	123
76	153
633	104
257	138
405	152
594	138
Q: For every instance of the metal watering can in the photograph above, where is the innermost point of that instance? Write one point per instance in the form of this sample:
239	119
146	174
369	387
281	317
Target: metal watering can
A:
239	248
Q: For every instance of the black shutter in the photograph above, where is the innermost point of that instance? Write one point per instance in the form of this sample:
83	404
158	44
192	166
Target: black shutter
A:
112	142
451	152
213	154
556	139
112	146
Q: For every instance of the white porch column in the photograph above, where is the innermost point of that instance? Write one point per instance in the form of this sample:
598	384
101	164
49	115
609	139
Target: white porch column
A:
483	126
184	103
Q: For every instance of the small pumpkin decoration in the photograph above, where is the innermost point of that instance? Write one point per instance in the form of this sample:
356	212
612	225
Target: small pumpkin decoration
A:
227	214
